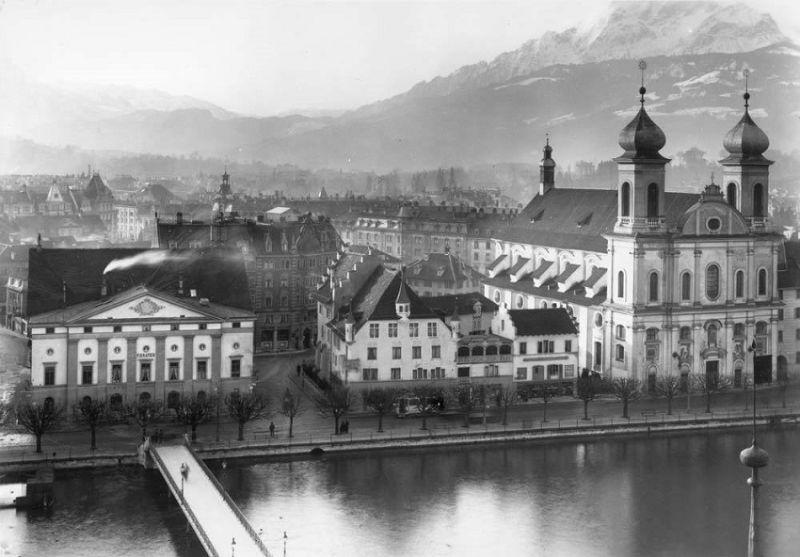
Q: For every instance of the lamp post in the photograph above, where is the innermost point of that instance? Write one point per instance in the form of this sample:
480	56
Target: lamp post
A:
754	457
217	392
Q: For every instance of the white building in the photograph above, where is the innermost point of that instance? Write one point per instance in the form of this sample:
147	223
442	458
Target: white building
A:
659	282
140	344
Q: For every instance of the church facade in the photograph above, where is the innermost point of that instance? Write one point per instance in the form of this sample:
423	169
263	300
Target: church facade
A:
658	282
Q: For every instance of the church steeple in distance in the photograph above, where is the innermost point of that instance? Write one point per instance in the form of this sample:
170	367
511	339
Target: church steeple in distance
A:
547	168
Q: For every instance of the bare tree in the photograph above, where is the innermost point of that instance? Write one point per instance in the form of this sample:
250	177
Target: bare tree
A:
144	412
708	384
335	402
291	406
465	397
588	386
244	408
626	389
668	386
505	396
430	401
192	410
93	413
38	418
379	401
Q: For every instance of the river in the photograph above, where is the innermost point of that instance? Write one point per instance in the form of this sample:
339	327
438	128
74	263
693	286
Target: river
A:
683	495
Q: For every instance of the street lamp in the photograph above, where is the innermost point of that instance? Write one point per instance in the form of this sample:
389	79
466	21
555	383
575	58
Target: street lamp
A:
217	391
754	457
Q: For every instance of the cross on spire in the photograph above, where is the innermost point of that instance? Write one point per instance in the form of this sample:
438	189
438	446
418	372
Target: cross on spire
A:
642	90
746	95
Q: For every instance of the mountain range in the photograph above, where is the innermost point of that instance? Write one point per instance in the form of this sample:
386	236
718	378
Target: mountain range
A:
580	85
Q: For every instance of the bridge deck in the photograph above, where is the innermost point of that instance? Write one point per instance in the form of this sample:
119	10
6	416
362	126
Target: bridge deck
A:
213	515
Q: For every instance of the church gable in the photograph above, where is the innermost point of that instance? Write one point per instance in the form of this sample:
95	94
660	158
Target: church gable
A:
144	306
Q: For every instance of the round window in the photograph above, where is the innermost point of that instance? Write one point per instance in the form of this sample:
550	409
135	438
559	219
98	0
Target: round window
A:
713	224
117	350
236	346
49	351
87	351
520	301
598	319
146	348
497	296
201	347
174	347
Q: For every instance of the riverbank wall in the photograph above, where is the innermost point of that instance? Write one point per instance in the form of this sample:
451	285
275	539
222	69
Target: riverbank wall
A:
302	448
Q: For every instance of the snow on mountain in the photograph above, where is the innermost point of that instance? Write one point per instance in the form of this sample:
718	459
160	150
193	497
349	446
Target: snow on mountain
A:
630	30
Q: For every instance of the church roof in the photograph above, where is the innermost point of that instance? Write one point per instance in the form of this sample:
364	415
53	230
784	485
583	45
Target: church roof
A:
746	142
96	188
537	322
642	139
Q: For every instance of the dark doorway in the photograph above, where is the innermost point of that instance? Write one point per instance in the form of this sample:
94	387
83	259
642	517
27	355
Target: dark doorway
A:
712	373
763	369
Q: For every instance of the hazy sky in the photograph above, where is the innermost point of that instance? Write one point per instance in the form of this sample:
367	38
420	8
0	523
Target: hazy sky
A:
267	57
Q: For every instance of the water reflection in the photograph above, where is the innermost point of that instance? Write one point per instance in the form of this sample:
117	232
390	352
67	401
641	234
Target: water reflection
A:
670	496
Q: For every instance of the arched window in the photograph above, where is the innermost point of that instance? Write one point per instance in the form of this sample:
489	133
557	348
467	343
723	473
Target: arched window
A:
491	350
711	331
686	287
49	402
653	291
463	351
544	305
762	282
712	282
652	201
145	397
477	350
620	332
505	349
625	200
732	194
86	400
739	284
620	284
686	334
758	200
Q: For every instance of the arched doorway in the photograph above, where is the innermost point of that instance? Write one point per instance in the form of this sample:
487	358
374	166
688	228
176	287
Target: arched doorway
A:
145	397
115	402
173	399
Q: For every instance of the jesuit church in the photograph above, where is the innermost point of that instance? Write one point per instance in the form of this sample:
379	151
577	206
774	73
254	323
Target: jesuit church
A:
657	281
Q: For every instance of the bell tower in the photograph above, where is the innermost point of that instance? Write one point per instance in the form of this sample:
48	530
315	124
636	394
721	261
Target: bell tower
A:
547	168
640	187
745	169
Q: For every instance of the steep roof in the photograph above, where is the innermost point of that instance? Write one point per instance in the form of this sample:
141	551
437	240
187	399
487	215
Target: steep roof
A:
83	312
218	275
96	189
536	322
576	218
462	303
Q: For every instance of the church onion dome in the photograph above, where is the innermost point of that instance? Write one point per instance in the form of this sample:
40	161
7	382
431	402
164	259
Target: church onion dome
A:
746	142
547	155
642	138
712	216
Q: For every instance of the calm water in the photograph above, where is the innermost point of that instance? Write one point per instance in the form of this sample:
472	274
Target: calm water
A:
680	496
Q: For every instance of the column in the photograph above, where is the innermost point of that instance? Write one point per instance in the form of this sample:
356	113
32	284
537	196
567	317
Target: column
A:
102	361
696	278
188	363
752	279
130	370
72	371
773	338
215	363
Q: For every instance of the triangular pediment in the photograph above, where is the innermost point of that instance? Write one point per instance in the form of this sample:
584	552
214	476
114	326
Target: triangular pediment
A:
143	306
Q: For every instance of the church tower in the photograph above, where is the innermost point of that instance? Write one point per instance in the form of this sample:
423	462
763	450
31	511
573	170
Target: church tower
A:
746	170
640	189
547	169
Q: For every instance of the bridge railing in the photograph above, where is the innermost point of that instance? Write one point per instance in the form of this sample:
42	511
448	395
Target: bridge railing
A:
174	487
234	507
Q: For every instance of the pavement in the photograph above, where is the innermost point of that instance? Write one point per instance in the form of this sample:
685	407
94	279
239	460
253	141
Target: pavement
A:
272	379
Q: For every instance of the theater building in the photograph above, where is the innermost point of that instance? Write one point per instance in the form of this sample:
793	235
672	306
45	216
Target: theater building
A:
140	344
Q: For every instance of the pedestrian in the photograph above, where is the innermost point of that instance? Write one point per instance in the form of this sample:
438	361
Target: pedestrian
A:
271	429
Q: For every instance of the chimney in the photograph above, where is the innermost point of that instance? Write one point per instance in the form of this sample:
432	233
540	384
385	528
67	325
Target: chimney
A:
104	289
180	283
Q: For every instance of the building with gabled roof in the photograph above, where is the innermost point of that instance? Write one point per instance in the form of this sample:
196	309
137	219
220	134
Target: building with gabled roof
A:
139	344
438	274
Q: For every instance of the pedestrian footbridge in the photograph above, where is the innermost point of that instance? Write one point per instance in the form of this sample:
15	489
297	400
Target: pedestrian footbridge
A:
219	524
